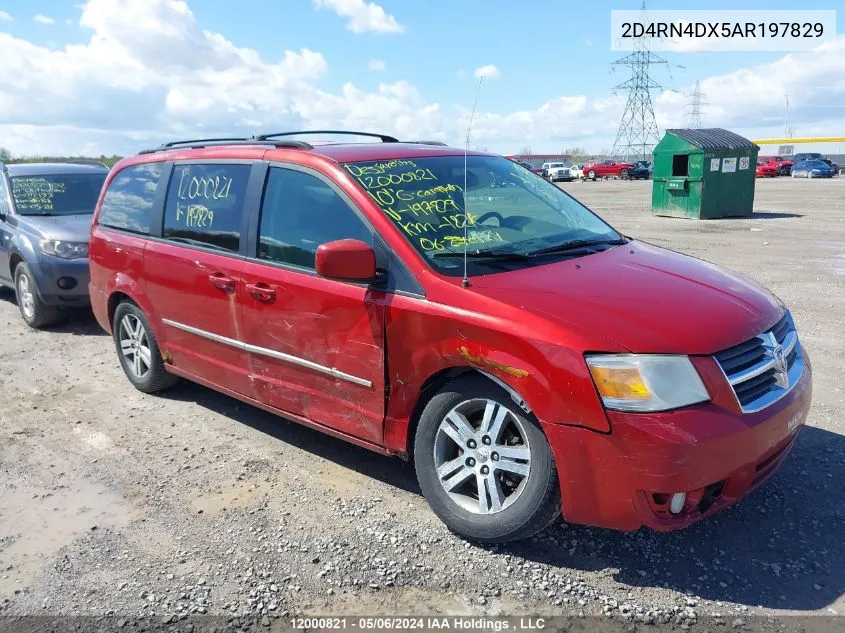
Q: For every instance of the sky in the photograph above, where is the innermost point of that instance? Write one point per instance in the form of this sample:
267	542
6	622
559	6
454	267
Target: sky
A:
117	76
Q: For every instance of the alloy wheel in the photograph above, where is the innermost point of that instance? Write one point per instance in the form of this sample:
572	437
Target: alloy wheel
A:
26	296
135	345
482	456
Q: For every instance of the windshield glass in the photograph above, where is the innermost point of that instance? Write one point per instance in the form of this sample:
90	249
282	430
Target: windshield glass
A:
505	209
56	194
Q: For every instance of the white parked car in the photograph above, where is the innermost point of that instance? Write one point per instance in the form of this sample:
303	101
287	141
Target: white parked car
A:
576	172
557	171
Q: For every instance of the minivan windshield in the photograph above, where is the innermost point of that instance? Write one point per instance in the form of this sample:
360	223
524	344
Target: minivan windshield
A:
506	213
56	194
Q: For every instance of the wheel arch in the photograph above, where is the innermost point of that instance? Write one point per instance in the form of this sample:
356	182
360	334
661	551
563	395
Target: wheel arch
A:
432	385
122	287
14	261
115	299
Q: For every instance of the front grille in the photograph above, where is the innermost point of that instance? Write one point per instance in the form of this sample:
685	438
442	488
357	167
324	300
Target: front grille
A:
763	369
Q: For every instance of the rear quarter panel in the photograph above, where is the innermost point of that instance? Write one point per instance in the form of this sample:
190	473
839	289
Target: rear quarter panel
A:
116	261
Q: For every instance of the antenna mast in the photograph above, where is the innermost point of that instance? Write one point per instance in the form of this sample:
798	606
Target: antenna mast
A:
638	133
465	282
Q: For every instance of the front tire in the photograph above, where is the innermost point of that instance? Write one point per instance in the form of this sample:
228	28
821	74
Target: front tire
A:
591	175
485	467
35	313
138	350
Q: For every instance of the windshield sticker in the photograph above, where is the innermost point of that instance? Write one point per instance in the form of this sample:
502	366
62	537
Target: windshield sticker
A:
427	210
35	194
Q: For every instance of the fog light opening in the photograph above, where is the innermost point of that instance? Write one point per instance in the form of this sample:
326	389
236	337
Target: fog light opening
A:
676	503
66	283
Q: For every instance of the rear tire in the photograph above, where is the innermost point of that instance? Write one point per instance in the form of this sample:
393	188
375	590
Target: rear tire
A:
591	175
138	350
35	313
623	174
473	439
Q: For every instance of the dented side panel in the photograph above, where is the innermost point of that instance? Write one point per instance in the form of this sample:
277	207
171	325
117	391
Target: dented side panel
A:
425	337
331	336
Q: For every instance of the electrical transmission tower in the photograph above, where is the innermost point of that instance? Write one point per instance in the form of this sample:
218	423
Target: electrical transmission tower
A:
694	106
638	133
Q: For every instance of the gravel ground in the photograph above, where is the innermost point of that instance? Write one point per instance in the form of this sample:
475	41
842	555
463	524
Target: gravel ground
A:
188	503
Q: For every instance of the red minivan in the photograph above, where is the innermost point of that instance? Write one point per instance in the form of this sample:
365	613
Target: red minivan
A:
454	309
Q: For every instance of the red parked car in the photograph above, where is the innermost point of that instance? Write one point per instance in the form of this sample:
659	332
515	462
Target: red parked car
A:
529	358
765	169
783	166
607	168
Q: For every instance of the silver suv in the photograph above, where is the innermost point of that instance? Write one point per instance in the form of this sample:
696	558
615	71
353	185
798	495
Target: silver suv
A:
45	221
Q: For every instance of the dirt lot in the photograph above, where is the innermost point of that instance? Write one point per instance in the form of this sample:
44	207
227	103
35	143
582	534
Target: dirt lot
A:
114	502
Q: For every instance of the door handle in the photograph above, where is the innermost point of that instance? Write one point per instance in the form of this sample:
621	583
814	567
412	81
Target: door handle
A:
221	281
261	291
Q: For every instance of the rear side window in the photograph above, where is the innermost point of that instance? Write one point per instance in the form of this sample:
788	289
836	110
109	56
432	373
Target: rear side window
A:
128	203
300	212
2	196
205	204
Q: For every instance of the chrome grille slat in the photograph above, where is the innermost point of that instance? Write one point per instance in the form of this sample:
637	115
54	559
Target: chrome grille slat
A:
742	361
763	369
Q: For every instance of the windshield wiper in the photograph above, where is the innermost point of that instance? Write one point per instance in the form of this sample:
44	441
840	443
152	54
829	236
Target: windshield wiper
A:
573	245
488	254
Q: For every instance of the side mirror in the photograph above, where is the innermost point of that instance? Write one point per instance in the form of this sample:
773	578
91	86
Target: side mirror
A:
352	260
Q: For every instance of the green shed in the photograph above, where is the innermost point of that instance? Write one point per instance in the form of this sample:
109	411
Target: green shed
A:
703	174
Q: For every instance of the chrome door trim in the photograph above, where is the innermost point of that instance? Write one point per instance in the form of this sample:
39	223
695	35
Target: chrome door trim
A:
294	360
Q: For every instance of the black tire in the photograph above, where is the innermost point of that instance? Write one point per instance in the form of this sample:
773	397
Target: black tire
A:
156	378
623	174
34	312
591	175
533	509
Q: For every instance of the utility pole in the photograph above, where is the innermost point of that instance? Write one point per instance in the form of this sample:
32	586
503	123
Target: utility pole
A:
638	132
787	132
694	105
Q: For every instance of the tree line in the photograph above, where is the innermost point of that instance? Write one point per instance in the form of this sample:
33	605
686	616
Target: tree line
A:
7	157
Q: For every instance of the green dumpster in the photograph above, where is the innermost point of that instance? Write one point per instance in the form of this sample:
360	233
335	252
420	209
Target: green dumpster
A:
703	174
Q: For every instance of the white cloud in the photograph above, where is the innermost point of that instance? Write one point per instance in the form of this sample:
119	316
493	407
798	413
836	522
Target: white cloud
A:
43	19
377	65
753	98
488	72
149	73
5	17
362	16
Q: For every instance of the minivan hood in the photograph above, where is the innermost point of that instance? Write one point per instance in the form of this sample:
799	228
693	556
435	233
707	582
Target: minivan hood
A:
644	298
68	228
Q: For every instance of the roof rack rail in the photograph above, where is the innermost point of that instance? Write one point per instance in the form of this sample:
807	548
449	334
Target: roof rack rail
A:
383	137
213	142
438	143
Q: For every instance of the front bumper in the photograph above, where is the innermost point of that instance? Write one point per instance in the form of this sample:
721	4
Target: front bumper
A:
711	452
49	270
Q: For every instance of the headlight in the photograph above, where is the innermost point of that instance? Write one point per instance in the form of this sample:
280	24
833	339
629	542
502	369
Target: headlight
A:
65	250
638	382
